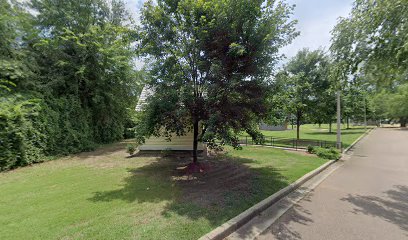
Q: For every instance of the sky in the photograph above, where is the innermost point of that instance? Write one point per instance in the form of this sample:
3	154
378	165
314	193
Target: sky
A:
316	18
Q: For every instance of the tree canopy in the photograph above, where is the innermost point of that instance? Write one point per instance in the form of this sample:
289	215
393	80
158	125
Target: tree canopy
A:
371	44
208	62
307	87
67	71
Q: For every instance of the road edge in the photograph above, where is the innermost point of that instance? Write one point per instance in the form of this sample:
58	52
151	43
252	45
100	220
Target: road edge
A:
368	131
238	221
233	224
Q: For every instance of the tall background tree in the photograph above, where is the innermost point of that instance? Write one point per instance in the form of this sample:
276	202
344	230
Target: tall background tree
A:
16	30
355	103
209	61
68	74
371	44
307	84
90	82
20	142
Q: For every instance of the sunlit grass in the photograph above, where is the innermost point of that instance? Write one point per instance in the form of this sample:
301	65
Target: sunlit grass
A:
314	132
105	195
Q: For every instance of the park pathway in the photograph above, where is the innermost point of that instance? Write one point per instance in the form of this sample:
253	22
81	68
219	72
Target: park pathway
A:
366	198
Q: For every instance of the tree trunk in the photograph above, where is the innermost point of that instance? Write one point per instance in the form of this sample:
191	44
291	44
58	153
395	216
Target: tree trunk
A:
320	125
330	127
298	115
195	141
403	121
348	122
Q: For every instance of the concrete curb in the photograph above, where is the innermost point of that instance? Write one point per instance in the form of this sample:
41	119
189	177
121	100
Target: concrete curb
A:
235	223
232	225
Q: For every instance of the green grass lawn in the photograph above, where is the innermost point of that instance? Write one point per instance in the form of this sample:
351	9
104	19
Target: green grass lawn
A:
105	195
311	131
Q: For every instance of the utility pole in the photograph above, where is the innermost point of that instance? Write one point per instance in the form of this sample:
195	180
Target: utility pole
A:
365	113
338	142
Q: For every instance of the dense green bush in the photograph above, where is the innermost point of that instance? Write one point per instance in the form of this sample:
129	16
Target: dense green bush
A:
130	133
21	143
30	130
67	126
131	149
310	149
326	153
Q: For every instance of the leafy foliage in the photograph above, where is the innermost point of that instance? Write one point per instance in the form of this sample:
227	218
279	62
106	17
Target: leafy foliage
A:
355	102
131	149
209	61
21	142
310	148
15	67
307	87
91	63
76	58
398	104
392	105
371	44
326	153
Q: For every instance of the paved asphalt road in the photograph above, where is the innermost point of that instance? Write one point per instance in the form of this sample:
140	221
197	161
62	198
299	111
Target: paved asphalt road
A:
366	198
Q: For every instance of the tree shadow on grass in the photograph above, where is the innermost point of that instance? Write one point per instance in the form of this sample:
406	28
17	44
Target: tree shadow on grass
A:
149	183
393	208
104	150
229	187
180	155
334	133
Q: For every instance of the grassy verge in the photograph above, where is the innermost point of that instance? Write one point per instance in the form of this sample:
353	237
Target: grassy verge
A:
105	195
314	132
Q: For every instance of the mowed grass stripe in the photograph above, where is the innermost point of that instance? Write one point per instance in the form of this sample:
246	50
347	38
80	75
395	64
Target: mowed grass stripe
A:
110	196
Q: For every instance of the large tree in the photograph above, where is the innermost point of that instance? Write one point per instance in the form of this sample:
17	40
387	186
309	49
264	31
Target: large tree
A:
392	105
20	143
355	102
87	78
67	79
208	62
371	42
16	66
307	82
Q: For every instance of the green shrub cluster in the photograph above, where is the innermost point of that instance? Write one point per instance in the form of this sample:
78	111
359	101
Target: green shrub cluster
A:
67	127
21	142
310	149
326	153
131	149
31	129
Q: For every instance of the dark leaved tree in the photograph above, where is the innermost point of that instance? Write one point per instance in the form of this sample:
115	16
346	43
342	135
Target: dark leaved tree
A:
208	62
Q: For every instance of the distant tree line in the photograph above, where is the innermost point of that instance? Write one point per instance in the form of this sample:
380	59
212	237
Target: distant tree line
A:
367	63
305	92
